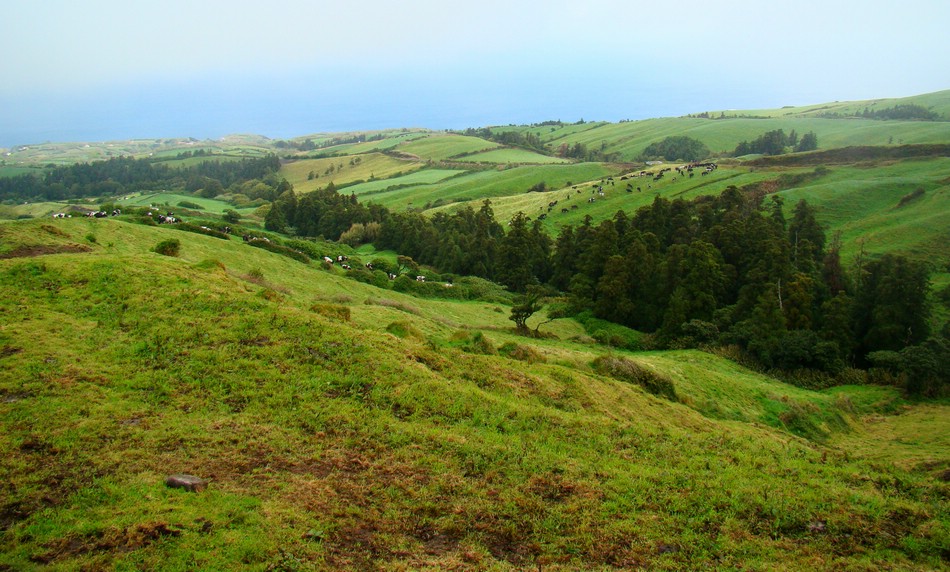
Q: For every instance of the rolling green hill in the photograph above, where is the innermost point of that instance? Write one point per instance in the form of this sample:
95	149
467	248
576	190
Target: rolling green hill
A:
344	426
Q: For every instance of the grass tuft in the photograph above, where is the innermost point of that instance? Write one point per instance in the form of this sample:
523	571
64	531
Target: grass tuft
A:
630	371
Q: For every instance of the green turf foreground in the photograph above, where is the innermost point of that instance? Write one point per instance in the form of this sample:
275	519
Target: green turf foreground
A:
345	427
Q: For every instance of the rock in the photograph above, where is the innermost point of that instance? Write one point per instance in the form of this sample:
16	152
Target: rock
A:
188	482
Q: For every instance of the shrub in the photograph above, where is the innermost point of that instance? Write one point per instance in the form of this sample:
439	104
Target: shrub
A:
401	306
207	231
521	352
910	197
332	311
473	343
630	371
280	249
403	329
169	247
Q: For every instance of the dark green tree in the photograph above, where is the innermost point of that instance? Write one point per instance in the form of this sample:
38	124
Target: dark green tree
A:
891	307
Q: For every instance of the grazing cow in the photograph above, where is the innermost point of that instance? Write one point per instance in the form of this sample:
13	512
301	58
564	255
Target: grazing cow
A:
420	278
328	260
564	210
369	265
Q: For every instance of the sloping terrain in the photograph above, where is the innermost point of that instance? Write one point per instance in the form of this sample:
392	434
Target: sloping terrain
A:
343	426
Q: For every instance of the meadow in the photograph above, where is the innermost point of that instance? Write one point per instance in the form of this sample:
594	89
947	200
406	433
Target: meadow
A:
478	185
511	155
345	170
343	426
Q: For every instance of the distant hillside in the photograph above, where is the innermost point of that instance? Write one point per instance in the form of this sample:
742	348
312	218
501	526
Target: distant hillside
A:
343	426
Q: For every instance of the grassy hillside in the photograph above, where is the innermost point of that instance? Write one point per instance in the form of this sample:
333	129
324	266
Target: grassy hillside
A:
342	426
521	156
478	185
345	170
441	147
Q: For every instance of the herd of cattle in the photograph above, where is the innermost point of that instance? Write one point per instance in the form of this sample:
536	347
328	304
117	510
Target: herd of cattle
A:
597	188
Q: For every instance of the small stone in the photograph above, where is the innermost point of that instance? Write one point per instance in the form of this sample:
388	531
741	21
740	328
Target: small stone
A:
188	482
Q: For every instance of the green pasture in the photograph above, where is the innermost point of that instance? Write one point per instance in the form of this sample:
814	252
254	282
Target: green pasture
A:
479	185
343	426
616	197
346	170
511	155
171	202
439	147
384	144
15	171
721	136
192	161
938	102
421	177
862	202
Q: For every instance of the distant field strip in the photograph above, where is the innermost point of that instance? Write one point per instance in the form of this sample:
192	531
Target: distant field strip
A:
172	199
368	166
424	177
511	156
441	147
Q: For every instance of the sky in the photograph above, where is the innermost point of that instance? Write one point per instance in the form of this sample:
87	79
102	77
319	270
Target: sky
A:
96	70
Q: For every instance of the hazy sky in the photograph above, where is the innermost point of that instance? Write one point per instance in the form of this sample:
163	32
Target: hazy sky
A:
78	70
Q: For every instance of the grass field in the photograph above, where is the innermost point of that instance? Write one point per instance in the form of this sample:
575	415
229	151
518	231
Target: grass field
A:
479	185
332	443
345	170
422	177
172	200
615	196
721	136
511	155
442	147
11	171
862	202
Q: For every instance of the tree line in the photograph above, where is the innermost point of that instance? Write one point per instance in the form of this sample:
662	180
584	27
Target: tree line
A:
125	174
777	142
731	270
899	112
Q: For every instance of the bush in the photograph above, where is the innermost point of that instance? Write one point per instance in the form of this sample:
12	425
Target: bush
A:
279	249
332	311
169	247
522	353
473	343
910	197
207	231
630	371
403	329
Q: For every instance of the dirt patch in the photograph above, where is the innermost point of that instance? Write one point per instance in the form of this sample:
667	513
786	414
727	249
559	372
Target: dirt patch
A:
7	351
13	512
32	250
436	542
125	540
